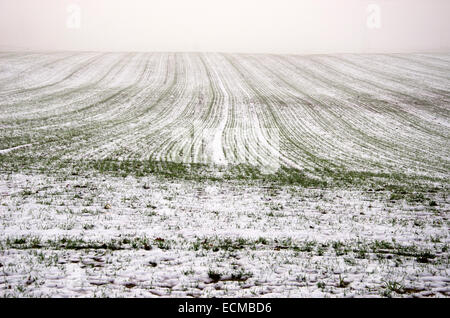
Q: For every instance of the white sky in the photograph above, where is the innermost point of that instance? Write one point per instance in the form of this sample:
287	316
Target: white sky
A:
253	26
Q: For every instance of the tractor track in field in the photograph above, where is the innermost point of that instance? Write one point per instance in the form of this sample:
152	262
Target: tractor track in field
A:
360	112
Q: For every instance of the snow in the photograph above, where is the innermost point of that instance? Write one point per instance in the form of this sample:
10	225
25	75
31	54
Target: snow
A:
3	151
233	211
382	231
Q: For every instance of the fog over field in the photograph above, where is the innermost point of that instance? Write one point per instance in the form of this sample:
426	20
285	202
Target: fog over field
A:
249	26
174	148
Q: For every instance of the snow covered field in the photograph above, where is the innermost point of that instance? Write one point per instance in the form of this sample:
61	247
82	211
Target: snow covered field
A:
224	175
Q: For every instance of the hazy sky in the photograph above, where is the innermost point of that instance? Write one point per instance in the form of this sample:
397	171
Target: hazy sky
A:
262	26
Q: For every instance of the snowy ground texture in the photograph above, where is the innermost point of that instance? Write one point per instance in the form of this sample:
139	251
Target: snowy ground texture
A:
215	175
